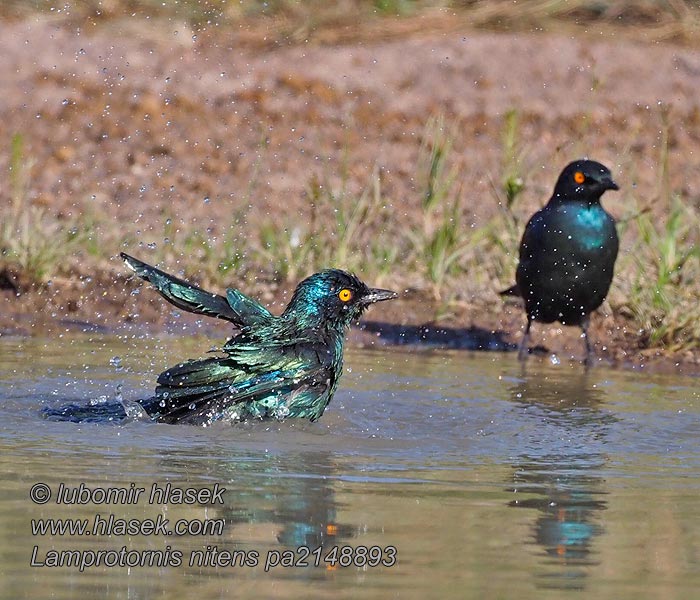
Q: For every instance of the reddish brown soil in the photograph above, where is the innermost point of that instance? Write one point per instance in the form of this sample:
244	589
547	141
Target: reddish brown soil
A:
134	122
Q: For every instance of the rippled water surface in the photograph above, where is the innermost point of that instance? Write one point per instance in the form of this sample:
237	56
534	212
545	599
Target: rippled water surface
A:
487	480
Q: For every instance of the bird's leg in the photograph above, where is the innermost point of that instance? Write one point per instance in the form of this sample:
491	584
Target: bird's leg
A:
525	341
590	355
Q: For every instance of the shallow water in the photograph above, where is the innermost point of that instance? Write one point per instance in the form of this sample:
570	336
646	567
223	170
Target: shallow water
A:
488	481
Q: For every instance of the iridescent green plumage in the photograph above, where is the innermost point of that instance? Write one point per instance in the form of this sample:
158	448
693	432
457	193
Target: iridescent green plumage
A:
276	367
236	307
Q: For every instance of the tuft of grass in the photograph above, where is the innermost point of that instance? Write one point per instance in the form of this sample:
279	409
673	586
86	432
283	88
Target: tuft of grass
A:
341	232
30	240
512	158
660	284
441	243
290	250
502	233
659	276
395	7
661	293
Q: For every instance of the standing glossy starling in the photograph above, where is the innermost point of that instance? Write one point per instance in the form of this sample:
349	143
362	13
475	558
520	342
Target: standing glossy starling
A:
568	252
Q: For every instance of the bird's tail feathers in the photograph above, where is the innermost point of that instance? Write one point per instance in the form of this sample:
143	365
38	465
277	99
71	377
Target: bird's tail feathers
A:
86	413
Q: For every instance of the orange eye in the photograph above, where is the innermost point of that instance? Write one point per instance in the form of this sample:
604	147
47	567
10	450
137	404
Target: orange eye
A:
345	295
579	177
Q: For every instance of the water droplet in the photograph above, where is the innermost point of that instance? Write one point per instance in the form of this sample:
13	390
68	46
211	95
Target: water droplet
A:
116	362
135	411
98	400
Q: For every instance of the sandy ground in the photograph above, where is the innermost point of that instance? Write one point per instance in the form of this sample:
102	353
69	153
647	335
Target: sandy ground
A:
135	123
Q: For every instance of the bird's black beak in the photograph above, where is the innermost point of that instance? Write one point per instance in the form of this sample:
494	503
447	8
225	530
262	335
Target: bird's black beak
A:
609	184
377	295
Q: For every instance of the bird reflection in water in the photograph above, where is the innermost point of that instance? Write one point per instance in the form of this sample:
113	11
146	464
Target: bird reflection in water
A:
290	495
559	472
303	504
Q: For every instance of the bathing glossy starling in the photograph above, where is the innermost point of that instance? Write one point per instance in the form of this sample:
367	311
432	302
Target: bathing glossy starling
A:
275	367
568	252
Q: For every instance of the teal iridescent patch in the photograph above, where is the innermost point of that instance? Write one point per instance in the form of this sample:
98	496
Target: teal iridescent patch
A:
591	225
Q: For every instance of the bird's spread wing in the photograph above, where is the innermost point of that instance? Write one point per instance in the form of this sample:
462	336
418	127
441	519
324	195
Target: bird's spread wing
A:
252	312
202	391
236	307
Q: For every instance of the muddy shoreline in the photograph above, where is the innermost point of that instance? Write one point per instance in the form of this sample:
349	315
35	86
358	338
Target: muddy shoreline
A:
408	323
